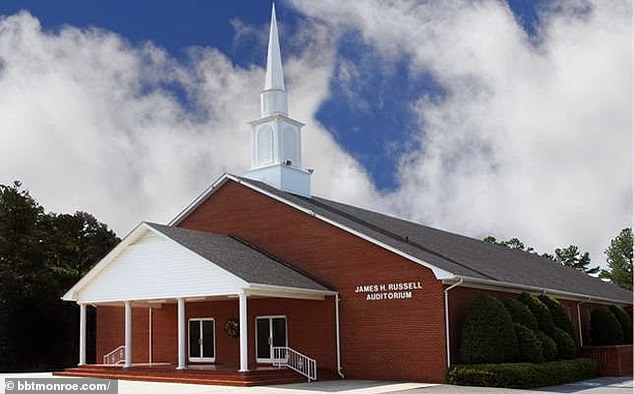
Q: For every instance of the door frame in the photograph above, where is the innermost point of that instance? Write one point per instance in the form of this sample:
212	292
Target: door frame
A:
200	359
270	319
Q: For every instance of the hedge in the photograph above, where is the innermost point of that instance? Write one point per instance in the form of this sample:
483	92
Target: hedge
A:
566	346
605	329
520	313
549	347
488	335
530	347
625	320
523	375
559	315
540	311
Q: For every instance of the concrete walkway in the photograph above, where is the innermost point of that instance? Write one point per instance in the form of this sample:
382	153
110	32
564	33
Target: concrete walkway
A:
333	386
593	386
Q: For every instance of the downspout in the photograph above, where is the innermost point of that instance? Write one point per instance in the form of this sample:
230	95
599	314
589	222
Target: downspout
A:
579	321
150	319
447	318
337	329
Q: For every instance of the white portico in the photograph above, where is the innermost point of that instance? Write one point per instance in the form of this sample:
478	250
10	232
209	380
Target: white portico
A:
158	264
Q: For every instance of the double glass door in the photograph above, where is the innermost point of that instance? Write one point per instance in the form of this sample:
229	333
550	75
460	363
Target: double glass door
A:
201	340
270	333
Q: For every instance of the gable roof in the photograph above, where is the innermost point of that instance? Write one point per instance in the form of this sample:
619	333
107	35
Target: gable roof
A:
160	262
450	256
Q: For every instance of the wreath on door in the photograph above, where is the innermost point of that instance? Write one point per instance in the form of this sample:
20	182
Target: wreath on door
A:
232	327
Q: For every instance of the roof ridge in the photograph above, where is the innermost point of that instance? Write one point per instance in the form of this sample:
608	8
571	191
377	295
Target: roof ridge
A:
282	261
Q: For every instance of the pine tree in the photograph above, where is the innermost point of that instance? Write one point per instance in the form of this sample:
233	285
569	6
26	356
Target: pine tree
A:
619	259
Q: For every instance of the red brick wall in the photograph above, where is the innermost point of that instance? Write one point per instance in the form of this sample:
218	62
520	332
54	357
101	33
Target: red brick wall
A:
613	360
165	334
391	339
111	332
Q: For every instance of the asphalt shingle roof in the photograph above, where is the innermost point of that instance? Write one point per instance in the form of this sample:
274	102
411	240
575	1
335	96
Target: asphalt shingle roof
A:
240	258
458	254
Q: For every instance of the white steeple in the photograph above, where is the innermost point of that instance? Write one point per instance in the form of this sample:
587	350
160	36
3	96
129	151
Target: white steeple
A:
276	154
273	99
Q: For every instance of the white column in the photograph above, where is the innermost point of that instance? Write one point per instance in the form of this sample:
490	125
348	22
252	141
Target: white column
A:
181	334
128	334
244	350
82	334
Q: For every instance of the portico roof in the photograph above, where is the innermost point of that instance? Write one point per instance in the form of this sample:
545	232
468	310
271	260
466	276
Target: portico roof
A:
160	262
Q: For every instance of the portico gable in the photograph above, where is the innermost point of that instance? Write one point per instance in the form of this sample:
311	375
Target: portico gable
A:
152	267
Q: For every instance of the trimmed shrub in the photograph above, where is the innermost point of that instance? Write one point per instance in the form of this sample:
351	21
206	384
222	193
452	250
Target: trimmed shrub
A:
625	320
558	313
566	346
605	329
549	347
520	313
530	347
540	311
488	335
523	375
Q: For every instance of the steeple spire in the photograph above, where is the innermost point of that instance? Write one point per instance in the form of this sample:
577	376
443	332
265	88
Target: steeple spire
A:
273	99
274	74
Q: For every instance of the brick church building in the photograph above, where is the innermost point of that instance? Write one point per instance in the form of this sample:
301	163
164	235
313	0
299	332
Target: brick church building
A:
257	271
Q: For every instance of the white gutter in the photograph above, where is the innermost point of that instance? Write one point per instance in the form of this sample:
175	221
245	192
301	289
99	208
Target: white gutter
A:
509	285
150	319
337	334
447	319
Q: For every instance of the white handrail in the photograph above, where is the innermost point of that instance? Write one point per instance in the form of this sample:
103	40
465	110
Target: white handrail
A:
117	356
286	357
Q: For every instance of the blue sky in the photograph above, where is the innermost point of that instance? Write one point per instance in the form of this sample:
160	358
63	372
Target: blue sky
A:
479	117
376	132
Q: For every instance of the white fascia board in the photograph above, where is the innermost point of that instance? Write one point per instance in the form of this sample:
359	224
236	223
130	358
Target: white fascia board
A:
288	292
131	237
439	273
167	297
504	286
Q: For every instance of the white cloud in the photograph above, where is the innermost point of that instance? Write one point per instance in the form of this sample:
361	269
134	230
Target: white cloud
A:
87	123
532	139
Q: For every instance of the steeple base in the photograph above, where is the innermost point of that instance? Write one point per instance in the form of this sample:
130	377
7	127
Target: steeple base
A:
284	177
